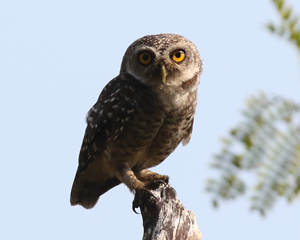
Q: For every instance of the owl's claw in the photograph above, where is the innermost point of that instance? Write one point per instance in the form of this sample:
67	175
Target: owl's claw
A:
142	195
155	184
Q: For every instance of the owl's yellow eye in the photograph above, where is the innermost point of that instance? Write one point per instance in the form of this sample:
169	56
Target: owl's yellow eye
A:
145	58
178	56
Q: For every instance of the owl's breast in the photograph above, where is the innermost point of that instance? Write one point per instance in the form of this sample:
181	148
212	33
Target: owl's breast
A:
144	127
170	122
170	134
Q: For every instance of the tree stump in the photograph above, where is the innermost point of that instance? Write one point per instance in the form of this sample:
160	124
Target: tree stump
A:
165	218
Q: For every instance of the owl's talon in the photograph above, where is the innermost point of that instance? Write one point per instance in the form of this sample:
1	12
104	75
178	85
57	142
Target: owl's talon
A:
155	184
162	182
134	207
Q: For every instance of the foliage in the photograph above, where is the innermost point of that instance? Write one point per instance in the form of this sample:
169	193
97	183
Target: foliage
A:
266	142
289	27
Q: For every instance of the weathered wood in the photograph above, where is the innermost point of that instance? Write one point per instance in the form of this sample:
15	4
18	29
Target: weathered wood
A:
165	218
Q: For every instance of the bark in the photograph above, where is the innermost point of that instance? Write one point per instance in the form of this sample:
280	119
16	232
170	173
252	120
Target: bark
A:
165	218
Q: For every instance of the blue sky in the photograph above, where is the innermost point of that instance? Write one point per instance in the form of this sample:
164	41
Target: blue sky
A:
55	58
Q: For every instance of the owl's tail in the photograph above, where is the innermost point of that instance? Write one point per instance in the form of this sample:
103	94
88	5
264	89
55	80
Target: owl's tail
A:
87	194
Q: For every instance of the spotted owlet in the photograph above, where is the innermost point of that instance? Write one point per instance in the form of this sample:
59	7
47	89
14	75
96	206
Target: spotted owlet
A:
139	118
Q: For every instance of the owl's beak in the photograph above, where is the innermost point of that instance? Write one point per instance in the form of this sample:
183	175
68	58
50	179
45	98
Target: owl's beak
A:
164	73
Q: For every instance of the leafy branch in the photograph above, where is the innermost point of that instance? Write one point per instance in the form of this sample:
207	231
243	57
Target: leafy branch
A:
266	142
289	27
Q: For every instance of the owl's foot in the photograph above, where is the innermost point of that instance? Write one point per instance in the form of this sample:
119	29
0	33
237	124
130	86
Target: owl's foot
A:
142	195
151	179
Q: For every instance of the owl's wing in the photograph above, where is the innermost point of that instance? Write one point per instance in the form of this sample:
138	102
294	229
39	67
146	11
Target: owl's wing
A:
105	120
188	134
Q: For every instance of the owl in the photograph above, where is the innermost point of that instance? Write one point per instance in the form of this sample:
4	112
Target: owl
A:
140	117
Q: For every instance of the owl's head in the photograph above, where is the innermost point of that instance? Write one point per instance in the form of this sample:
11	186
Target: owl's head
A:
163	60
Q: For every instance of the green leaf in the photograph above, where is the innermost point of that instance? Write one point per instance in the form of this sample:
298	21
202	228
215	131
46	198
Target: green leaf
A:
279	4
293	23
237	160
215	203
234	131
271	27
286	13
247	141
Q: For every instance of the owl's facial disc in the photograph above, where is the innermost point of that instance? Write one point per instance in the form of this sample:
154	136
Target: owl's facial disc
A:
150	61
163	66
